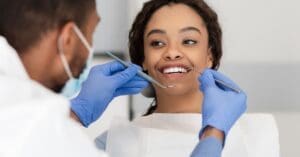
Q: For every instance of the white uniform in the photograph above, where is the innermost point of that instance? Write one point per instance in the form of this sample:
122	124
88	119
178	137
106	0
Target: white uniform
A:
35	121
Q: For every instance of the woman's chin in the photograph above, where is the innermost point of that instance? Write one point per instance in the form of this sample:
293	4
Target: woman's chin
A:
176	90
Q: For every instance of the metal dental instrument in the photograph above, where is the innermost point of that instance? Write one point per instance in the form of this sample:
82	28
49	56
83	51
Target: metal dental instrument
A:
222	83
140	73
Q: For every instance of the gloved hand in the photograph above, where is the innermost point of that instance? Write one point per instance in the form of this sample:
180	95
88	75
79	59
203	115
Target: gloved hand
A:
221	107
105	82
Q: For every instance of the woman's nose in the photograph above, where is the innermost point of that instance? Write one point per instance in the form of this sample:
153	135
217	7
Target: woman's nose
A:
173	54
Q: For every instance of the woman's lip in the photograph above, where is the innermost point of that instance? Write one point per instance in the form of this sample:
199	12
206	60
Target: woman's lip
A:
172	76
167	77
162	68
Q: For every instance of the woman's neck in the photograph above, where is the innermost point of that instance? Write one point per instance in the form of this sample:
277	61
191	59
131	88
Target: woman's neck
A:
187	103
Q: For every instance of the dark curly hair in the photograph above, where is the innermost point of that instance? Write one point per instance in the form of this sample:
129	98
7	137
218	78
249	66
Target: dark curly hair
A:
209	16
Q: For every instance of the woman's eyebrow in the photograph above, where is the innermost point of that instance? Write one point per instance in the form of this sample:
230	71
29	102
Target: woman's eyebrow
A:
156	31
186	29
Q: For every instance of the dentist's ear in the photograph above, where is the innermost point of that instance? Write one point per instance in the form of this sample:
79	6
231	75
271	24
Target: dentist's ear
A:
67	40
210	59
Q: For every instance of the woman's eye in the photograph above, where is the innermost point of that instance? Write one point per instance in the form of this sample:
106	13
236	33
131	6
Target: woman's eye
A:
189	42
157	44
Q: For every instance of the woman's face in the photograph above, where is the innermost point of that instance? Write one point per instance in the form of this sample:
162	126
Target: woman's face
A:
176	48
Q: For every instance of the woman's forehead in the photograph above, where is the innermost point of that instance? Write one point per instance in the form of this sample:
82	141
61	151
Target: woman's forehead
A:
176	17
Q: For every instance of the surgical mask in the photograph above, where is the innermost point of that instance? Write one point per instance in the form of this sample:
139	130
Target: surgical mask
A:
73	86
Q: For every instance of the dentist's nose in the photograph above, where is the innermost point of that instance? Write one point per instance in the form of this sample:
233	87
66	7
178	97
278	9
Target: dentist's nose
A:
172	54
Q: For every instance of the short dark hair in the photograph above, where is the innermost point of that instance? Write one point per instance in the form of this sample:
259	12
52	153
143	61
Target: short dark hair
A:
24	22
210	18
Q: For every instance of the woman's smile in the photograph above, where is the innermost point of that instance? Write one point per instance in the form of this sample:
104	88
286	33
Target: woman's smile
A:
172	72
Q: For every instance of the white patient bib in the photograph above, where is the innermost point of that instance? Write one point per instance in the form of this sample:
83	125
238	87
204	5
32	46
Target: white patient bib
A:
161	135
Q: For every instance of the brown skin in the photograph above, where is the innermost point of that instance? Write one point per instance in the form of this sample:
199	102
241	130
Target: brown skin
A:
50	71
213	132
43	63
180	40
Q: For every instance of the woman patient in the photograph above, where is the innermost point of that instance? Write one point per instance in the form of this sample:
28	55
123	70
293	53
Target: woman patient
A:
174	41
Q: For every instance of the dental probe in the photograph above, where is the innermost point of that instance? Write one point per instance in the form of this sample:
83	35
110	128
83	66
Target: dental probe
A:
140	73
222	83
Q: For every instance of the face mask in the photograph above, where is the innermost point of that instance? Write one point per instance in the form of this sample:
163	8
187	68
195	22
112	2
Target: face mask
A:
73	86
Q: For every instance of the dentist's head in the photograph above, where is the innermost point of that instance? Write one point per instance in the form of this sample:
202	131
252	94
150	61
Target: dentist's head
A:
46	35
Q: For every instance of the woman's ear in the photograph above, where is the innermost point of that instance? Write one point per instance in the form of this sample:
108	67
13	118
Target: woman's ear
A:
210	59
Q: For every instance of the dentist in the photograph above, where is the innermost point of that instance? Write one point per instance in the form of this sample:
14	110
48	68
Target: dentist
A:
44	44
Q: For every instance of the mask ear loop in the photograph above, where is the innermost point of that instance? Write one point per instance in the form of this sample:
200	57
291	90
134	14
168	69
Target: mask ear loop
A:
82	38
63	58
84	41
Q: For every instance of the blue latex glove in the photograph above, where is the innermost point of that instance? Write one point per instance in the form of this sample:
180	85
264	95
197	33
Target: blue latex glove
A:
105	82
221	107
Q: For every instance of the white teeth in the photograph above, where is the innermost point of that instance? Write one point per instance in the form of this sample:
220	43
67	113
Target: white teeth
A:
174	70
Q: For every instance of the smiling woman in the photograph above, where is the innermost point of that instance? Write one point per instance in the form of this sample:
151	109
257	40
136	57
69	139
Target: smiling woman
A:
176	50
174	41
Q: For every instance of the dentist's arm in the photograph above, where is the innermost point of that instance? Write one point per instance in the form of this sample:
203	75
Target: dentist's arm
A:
221	108
104	83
